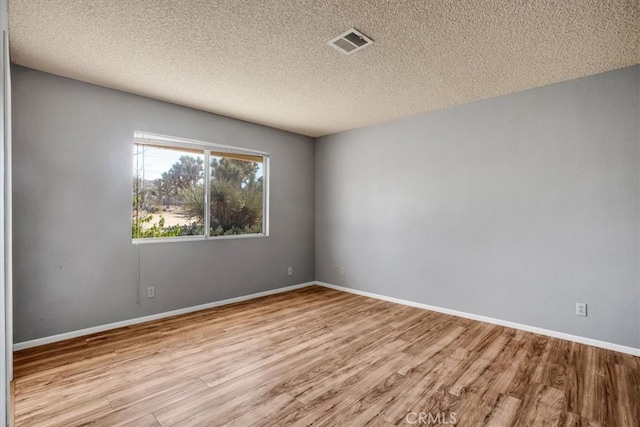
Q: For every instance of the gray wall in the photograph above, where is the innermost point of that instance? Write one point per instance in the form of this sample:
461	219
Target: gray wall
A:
6	315
75	264
515	207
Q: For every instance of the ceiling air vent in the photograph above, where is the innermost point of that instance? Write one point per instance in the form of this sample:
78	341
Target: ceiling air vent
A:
350	41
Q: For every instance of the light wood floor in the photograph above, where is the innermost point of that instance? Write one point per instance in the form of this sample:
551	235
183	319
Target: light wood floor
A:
323	357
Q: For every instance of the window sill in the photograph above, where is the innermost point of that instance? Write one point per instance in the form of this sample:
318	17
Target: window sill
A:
195	238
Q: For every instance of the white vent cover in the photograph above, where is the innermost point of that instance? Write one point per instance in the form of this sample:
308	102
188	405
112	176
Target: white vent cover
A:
350	41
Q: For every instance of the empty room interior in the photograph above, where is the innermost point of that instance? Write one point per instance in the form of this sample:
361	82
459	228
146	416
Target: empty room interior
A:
327	213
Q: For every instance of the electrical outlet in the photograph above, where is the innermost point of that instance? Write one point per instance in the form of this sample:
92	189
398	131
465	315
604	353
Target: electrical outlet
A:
290	271
343	271
581	309
151	292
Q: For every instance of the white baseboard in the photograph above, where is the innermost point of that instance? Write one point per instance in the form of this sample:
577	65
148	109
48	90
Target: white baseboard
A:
129	322
534	329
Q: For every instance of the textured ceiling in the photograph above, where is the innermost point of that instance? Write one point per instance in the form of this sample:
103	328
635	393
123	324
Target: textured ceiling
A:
267	61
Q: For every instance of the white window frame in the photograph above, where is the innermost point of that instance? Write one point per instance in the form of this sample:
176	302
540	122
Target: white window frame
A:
148	138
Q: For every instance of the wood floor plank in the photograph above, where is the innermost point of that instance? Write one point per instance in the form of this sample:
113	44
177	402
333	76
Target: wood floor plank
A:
417	396
480	365
323	357
345	394
542	406
568	419
75	412
627	394
536	346
504	413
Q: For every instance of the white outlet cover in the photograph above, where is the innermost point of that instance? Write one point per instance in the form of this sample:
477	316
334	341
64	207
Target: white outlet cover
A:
581	309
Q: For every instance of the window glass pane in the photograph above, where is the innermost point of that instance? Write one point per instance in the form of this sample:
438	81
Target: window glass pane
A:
168	192
236	188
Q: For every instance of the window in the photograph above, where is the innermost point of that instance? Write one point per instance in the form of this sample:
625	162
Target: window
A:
188	189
